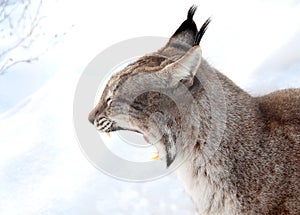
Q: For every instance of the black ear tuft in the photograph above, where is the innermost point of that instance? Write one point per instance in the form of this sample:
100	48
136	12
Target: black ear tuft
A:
201	32
191	12
188	24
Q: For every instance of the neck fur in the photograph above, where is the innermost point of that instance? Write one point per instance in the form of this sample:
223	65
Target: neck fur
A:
205	171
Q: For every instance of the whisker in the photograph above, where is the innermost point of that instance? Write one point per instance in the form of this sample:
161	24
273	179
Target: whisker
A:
104	124
103	119
107	127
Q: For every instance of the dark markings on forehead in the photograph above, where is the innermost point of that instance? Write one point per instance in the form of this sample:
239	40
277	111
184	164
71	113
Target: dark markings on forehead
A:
149	63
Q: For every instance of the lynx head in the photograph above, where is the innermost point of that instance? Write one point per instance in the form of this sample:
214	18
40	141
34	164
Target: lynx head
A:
150	96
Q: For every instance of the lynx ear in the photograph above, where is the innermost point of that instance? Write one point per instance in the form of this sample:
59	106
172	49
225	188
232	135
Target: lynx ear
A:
186	67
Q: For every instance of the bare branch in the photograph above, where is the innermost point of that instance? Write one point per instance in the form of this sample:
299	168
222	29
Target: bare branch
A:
7	65
20	28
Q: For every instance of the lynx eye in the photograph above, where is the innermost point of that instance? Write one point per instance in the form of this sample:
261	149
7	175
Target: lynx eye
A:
108	101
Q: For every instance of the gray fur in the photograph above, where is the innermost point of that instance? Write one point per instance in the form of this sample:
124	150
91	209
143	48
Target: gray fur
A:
242	153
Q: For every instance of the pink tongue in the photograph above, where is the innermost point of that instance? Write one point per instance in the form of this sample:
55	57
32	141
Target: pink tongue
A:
146	139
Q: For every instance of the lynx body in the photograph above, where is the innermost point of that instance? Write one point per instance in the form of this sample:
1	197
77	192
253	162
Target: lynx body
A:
242	153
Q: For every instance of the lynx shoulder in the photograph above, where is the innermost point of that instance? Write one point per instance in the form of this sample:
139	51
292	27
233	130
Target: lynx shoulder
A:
281	106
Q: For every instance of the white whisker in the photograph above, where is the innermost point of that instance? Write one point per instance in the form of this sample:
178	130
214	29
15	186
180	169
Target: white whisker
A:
107	127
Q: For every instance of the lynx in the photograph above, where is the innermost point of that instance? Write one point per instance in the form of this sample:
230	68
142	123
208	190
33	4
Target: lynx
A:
241	153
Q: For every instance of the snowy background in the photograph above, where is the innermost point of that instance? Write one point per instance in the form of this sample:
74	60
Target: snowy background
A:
42	170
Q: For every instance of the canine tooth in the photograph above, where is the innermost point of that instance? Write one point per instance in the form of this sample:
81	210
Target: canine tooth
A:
156	156
108	134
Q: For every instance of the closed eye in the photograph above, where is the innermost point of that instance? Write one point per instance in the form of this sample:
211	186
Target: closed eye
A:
108	101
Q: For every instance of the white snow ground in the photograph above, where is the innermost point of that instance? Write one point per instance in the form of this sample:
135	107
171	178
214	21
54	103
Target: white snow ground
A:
42	170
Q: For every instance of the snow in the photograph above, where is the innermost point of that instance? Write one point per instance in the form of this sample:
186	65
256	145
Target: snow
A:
43	171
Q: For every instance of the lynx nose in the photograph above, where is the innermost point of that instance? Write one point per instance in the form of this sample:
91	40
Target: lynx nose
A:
92	116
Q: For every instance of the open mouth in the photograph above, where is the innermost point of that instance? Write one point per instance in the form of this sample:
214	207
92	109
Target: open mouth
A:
131	145
105	125
155	154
